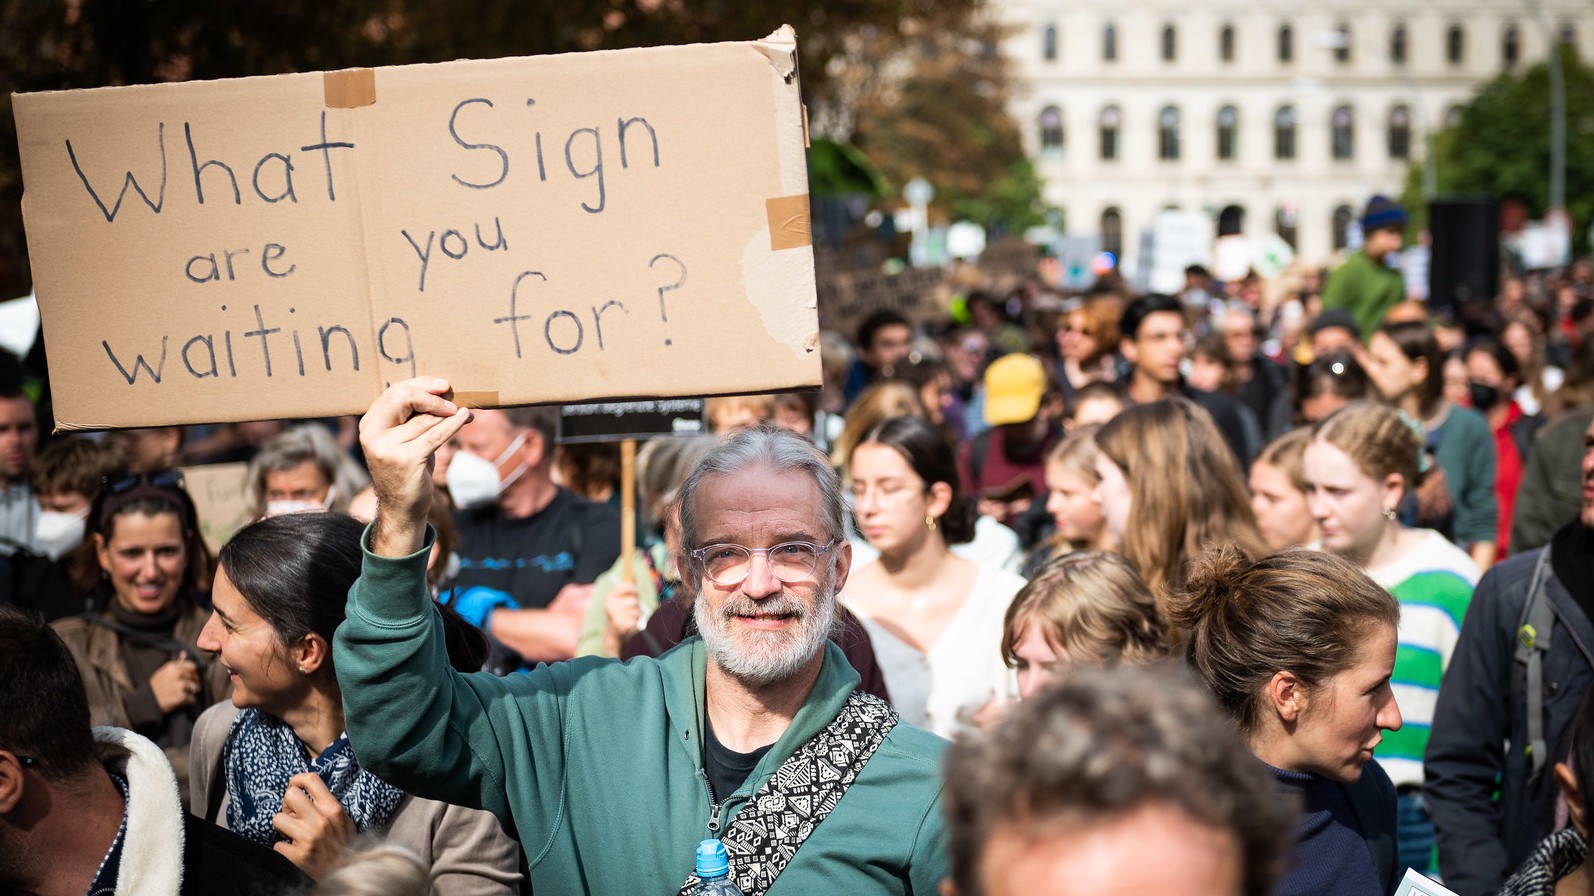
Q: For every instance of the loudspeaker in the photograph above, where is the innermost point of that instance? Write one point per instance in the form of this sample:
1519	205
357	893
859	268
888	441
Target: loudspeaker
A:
1464	267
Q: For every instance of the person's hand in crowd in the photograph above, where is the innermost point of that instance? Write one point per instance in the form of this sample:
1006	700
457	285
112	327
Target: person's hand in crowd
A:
175	684
317	829
399	434
624	613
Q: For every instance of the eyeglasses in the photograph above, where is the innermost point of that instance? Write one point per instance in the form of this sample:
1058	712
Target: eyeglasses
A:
159	479
727	565
886	494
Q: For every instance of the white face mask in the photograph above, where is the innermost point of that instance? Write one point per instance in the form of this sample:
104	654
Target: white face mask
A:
279	508
57	532
473	481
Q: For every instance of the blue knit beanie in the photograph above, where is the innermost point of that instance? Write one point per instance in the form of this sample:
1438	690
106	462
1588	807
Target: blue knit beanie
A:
1382	212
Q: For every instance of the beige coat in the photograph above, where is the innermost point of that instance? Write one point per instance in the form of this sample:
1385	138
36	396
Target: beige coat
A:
466	849
97	651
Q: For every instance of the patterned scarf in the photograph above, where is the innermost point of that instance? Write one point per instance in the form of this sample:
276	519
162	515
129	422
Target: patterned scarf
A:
262	753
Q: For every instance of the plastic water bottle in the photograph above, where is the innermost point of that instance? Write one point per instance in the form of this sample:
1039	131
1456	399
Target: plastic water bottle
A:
714	871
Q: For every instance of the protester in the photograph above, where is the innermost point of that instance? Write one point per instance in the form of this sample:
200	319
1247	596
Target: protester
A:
1329	383
97	810
1087	608
931	614
730	414
1278	493
1563	856
528	549
1335	330
1489	757
1087	342
1004	466
300	470
1360	463
1365	285
1493	377
19	439
1405	364
1095	403
722	716
1125	780
274	764
148	449
884	339
1298	648
878	403
1169	490
590	470
147	573
1260	383
66	479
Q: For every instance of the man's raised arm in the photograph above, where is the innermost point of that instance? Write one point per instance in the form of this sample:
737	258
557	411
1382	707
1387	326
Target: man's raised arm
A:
399	434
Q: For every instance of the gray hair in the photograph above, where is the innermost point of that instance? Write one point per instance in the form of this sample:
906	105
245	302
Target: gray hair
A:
774	450
1100	744
292	447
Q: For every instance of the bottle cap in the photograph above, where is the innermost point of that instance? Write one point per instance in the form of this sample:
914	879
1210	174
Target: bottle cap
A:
711	861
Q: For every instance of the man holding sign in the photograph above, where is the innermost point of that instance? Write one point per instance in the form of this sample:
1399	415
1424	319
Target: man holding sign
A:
610	774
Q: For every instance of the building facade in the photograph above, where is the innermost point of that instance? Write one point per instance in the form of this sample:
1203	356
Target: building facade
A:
1274	116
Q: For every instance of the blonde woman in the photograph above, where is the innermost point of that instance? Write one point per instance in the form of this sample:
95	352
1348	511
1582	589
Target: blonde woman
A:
1278	492
1071	482
1085	608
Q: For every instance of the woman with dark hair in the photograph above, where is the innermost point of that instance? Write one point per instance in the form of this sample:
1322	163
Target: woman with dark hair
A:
1407	367
935	618
274	764
1329	383
148	573
1298	649
1493	376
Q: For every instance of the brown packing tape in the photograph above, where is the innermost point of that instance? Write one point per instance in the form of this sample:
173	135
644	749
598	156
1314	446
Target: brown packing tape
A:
349	88
788	222
474	399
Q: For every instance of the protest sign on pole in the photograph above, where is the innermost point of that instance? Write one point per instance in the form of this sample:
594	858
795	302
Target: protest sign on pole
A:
536	230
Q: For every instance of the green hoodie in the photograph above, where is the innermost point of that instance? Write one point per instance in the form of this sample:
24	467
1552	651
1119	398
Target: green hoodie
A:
596	766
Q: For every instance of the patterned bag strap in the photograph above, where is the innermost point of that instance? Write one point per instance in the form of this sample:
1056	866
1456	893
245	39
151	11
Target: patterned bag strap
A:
764	836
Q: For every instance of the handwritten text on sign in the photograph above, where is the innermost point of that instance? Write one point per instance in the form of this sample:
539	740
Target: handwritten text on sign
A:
535	230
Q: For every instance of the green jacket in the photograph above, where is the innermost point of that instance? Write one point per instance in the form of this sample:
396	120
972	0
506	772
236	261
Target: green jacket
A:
596	766
1367	288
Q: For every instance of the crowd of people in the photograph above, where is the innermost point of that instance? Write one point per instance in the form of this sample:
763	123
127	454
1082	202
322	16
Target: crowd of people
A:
1289	588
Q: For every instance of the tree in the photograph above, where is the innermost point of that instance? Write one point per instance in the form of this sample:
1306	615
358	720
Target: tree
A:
1501	146
97	43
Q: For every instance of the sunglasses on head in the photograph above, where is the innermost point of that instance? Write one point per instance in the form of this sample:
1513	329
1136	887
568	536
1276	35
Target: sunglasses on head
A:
130	481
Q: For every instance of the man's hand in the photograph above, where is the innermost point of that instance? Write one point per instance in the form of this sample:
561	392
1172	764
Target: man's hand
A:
399	434
317	829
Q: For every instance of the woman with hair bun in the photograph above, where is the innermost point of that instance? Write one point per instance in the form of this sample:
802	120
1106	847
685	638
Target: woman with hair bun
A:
1084	608
934	617
1362	461
1298	648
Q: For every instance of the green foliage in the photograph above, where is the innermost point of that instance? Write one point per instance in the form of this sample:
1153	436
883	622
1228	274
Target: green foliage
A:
1501	147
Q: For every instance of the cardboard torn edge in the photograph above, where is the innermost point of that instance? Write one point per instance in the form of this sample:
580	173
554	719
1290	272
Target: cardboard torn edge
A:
349	88
789	227
781	48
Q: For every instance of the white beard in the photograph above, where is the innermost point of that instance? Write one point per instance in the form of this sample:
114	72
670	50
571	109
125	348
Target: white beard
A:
762	658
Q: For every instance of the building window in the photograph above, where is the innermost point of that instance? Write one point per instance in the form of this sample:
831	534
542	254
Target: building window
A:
1170	44
1397	45
1342	44
1112	232
1510	47
1284	133
1049	43
1051	124
1568	33
1228	128
1284	224
1400	133
1343	125
1109	43
1286	43
1168	134
1453	116
1341	226
1226	43
1455	45
1111	120
1231	221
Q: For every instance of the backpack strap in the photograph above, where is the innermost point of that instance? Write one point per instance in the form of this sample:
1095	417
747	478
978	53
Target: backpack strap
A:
1534	629
764	836
1366	800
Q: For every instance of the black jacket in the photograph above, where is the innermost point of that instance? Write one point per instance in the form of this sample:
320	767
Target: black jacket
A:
1480	711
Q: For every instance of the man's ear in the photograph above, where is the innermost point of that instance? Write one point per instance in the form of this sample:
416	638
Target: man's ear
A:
1126	347
1286	696
534	450
1576	811
13	782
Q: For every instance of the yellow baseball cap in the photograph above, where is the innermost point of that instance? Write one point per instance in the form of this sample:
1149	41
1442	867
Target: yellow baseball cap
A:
1014	386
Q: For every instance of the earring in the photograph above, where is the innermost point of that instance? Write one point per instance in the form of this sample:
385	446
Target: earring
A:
929	522
1389	514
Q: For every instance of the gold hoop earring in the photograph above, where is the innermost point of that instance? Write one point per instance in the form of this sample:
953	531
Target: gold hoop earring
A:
929	522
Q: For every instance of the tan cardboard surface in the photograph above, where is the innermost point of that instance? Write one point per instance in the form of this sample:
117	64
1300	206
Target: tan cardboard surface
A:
218	493
548	229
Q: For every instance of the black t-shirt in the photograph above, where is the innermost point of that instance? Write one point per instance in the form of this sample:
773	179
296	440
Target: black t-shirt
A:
727	769
569	541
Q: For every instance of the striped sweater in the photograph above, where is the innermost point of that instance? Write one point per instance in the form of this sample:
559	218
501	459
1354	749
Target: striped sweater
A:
1433	583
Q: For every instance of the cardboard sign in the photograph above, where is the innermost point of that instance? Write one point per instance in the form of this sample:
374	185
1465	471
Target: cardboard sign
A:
616	421
564	228
218	493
